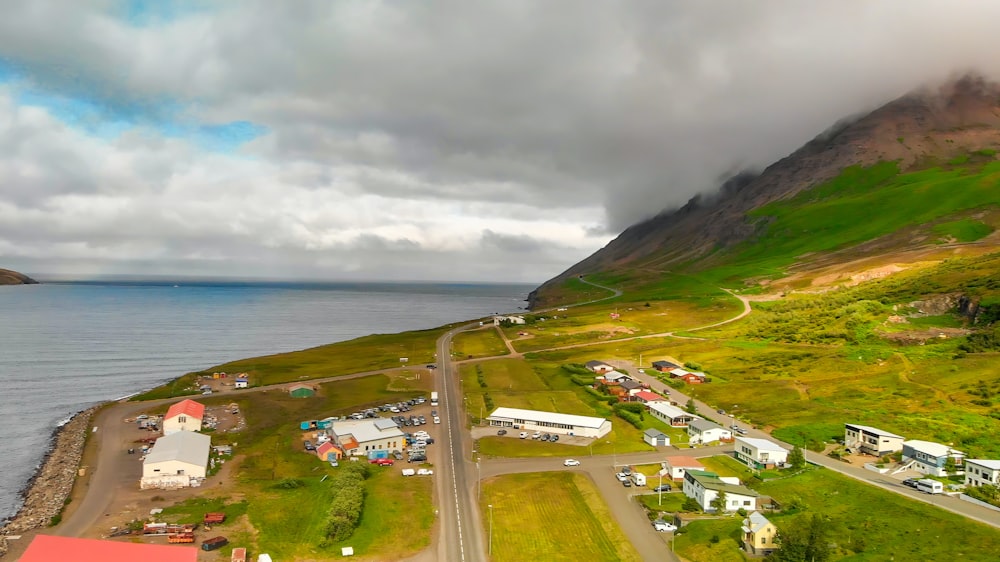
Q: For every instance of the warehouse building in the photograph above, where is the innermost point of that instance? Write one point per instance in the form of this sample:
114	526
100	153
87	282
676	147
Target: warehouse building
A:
177	460
550	422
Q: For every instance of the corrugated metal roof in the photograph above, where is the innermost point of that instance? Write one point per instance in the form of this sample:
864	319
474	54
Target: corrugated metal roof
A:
550	417
185	446
762	444
188	407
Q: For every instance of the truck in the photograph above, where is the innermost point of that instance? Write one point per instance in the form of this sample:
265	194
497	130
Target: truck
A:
930	486
434	399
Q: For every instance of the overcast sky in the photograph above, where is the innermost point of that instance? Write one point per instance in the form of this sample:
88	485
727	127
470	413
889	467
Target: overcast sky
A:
430	140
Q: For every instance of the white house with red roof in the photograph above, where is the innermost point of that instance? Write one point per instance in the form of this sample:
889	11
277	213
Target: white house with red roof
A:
185	415
676	466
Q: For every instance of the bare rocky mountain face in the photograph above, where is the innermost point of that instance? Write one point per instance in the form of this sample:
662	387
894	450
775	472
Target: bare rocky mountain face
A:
8	277
915	130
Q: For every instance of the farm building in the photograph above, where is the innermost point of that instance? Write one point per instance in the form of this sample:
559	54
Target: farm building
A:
329	452
241	382
871	440
676	466
551	422
759	453
185	415
46	548
359	437
656	438
301	391
670	414
175	460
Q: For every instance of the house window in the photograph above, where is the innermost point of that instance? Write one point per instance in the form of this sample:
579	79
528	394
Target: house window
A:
746	502
182	419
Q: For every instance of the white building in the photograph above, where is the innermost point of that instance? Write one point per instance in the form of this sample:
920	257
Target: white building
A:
656	438
704	487
669	414
176	459
929	457
703	431
497	320
359	437
551	422
759	453
871	440
676	466
979	472
185	415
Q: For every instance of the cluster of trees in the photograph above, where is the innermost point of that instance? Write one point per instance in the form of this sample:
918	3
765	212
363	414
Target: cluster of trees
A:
805	540
347	501
986	493
632	412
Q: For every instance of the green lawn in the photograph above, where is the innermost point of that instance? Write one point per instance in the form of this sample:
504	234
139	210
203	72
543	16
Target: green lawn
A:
569	521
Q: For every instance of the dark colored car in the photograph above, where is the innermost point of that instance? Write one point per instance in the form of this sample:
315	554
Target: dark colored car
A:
911	482
554	438
663	488
501	432
627	483
309	446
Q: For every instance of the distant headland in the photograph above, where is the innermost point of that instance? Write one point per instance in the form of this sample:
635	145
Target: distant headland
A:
8	277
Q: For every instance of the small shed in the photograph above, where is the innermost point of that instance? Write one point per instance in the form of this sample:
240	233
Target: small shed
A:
241	382
656	438
301	391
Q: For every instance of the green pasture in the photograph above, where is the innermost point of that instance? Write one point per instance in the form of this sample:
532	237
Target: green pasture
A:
484	342
568	522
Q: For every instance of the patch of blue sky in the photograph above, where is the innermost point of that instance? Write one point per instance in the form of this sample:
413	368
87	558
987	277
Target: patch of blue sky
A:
148	13
166	118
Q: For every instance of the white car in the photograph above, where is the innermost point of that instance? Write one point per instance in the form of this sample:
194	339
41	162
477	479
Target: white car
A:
571	462
663	527
621	476
523	435
424	472
437	419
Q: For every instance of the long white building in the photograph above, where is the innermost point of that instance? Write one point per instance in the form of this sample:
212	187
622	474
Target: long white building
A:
550	422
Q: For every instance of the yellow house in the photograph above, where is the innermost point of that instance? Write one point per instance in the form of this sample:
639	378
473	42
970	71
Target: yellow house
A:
759	535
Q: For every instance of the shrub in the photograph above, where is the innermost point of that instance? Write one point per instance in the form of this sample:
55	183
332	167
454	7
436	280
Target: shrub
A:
289	484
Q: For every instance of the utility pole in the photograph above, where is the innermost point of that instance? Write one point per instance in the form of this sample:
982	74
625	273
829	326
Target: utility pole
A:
490	552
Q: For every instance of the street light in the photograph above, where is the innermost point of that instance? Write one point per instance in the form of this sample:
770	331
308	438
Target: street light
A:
491	529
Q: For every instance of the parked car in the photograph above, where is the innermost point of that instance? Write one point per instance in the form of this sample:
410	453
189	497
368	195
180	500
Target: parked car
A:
627	483
432	366
663	488
382	462
309	446
434	413
627	470
621	476
663	527
523	435
720	411
545	437
437	419
501	432
554	438
397	455
911	482
571	462
741	431
537	435
417	457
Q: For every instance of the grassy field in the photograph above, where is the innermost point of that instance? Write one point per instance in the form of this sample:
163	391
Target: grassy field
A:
484	342
369	353
568	522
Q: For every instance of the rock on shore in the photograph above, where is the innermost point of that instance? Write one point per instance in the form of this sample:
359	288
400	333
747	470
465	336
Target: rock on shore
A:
47	491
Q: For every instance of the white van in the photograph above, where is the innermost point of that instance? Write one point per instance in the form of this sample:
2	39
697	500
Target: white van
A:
930	486
640	479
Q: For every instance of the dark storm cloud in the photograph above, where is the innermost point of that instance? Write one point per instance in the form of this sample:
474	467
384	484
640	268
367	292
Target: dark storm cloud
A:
420	134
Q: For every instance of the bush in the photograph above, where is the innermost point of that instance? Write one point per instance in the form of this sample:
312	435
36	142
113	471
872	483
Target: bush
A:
347	501
629	417
289	484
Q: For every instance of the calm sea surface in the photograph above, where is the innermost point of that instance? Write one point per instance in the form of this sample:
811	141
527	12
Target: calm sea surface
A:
64	347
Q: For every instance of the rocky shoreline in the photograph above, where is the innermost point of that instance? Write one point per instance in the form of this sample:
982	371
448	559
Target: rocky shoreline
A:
45	494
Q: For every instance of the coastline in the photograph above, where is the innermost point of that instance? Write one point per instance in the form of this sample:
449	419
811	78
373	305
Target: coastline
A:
44	495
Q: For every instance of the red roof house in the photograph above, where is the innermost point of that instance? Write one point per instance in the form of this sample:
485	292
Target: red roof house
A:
47	548
185	415
645	396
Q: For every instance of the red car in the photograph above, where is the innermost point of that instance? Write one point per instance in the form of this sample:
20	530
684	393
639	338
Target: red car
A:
382	462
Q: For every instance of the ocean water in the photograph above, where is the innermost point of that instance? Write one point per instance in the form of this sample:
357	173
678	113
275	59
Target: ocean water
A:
67	346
